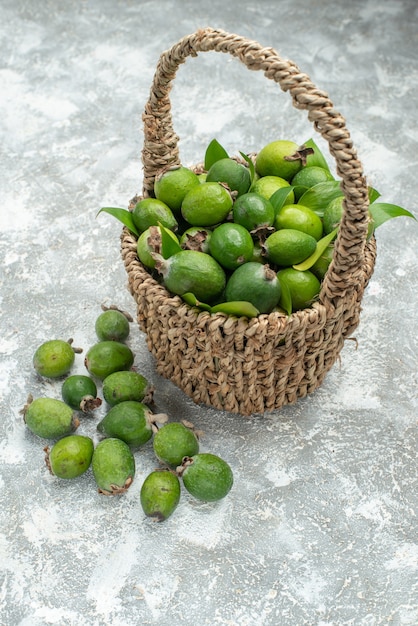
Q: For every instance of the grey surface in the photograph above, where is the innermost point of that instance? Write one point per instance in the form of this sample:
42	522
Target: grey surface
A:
320	527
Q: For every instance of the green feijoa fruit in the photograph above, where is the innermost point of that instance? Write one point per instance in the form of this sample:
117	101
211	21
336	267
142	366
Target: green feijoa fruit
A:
173	441
196	238
112	325
129	421
256	283
190	271
300	218
171	186
70	457
113	466
320	267
151	212
206	476
289	247
232	173
80	393
303	287
106	357
124	385
54	358
160	494
49	418
231	245
253	211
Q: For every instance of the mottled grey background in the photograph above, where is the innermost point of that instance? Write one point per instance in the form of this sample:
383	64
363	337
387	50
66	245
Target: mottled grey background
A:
320	527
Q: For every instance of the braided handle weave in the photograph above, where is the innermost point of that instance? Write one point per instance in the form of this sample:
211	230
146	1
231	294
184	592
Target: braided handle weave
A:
160	149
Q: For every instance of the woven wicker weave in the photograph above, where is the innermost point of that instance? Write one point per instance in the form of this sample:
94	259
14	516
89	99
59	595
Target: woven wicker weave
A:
257	365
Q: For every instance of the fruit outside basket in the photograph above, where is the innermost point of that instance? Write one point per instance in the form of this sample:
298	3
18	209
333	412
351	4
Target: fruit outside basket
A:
241	365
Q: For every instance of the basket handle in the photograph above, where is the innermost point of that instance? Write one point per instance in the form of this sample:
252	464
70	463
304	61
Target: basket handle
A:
160	148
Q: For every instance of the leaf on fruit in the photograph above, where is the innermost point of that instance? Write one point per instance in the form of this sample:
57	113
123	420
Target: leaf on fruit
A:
191	300
317	158
214	152
319	196
279	197
321	246
382	212
169	245
238	308
123	216
250	167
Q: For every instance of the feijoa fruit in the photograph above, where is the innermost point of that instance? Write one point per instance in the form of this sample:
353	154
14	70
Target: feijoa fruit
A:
112	325
50	418
206	476
70	456
80	393
113	466
124	385
54	358
106	357
173	441
160	494
129	421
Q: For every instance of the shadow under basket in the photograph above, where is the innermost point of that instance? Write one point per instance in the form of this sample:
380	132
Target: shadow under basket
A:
256	365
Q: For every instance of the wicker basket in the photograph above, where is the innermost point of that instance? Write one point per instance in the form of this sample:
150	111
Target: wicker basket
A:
254	365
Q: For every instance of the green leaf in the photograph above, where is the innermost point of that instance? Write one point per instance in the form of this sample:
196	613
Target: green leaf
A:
317	158
250	167
373	194
123	216
169	244
191	300
319	196
285	296
238	308
321	246
214	152
279	197
382	212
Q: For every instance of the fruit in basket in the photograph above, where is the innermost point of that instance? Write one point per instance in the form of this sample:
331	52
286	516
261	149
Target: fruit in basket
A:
113	466
196	238
172	185
320	267
256	283
273	159
253	211
332	214
49	418
206	476
173	441
70	457
231	245
303	287
80	393
106	357
112	325
309	176
150	212
129	421
299	217
288	247
268	185
126	385
54	358
206	205
160	494
149	243
190	271
232	173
